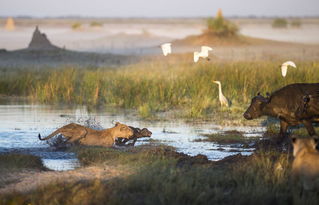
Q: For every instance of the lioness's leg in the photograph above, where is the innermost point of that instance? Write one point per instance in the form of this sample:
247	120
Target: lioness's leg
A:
74	135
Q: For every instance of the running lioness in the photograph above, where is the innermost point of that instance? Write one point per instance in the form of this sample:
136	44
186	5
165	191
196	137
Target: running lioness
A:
305	167
87	136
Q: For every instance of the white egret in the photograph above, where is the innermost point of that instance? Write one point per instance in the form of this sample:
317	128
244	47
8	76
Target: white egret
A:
166	48
222	99
284	67
203	53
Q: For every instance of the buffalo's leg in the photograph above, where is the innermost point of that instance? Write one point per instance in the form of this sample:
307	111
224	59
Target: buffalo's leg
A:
309	127
133	143
283	129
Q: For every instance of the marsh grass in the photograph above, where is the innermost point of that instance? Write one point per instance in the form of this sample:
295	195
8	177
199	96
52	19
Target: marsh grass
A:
156	86
273	129
263	178
14	161
130	156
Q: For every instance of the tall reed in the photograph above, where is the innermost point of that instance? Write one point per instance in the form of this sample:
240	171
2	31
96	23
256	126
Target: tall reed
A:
157	86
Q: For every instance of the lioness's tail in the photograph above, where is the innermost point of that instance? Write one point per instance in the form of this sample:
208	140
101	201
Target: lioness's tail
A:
49	136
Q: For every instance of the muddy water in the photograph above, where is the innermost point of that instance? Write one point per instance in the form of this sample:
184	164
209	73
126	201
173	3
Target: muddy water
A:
20	125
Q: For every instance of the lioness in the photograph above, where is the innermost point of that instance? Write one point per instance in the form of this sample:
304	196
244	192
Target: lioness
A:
87	136
305	166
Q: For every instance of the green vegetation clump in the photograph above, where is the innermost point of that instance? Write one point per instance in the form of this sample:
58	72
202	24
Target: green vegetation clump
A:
279	23
221	26
160	178
13	161
96	24
76	26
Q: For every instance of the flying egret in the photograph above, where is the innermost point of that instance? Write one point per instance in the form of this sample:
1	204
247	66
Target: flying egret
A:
203	53
222	99
166	48
284	67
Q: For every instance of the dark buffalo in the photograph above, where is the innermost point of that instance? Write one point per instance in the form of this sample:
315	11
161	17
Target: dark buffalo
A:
293	104
138	133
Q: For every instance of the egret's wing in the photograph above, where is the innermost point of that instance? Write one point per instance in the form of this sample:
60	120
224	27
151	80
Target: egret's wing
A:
166	48
225	101
205	49
169	49
284	70
290	63
196	56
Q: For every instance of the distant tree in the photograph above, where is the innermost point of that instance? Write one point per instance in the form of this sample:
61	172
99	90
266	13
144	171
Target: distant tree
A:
10	26
279	23
96	24
220	26
76	26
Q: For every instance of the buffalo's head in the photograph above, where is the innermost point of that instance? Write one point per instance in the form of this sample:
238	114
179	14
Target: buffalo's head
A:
255	109
146	133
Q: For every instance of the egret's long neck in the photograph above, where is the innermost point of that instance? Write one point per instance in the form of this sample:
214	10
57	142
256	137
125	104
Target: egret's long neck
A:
220	89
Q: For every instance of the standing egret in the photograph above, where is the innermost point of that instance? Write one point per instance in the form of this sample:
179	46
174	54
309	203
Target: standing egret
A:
166	48
203	53
222	99
284	67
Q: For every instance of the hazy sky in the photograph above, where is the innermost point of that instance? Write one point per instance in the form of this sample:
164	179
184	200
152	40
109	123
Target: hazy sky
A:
158	8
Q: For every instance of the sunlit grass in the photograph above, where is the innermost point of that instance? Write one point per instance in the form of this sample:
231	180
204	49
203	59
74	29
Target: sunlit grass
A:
157	86
159	178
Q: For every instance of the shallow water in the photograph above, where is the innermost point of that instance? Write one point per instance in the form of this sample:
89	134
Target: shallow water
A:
20	125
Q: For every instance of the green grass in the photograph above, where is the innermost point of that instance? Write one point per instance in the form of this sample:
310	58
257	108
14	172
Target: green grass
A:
263	178
157	86
11	163
130	156
96	24
279	23
14	161
76	26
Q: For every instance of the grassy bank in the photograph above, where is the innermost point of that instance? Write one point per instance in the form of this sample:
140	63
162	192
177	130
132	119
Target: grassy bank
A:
162	178
11	163
14	161
157	86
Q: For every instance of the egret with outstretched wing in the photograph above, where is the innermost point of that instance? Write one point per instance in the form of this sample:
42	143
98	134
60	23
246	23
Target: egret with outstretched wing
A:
284	67
202	54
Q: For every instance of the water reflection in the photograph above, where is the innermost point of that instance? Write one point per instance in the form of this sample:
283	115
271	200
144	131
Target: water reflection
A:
20	125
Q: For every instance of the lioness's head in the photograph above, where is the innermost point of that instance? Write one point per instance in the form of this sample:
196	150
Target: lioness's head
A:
304	144
122	131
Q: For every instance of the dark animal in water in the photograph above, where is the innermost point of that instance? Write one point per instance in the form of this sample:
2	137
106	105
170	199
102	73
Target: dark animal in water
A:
293	104
138	133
